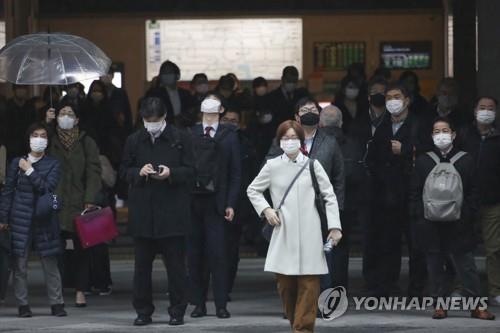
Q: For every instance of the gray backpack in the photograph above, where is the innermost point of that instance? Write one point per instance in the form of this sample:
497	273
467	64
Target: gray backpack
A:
443	190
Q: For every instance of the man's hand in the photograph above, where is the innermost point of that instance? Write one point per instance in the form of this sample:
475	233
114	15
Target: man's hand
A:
89	206
24	164
50	115
164	173
335	235
147	170
229	214
4	227
396	147
271	216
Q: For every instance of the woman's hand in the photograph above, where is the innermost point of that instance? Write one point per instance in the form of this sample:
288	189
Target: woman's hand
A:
271	216
24	164
50	115
335	235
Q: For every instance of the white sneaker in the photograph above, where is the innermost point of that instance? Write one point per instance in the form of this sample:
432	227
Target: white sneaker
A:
495	300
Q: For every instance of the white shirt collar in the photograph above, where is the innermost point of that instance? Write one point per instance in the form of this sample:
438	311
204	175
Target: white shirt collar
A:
214	126
34	159
300	158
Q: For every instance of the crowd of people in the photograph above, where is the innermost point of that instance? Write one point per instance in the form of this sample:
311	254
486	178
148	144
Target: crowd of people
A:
198	168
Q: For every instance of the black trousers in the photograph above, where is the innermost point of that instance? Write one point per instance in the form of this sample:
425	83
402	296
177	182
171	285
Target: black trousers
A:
100	270
173	250
207	252
233	237
5	270
74	265
382	248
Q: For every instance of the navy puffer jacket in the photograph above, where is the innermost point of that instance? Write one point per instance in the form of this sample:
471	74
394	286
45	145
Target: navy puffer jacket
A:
17	207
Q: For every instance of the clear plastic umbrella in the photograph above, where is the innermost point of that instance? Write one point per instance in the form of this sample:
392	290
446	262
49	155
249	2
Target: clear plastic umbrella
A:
51	59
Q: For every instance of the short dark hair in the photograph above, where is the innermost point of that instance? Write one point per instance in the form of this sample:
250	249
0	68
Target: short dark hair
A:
397	86
410	74
259	82
306	100
170	65
67	102
35	127
199	77
226	82
444	120
290	71
377	80
152	107
491	98
286	125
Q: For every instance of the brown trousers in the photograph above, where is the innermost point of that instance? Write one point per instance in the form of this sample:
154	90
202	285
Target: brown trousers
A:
299	295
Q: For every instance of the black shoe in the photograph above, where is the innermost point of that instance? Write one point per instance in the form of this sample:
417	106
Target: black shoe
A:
199	311
25	312
58	310
142	321
176	321
80	305
223	313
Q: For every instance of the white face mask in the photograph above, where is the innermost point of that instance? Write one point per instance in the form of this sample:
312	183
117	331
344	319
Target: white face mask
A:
394	106
66	122
290	147
351	93
442	140
485	116
38	145
153	127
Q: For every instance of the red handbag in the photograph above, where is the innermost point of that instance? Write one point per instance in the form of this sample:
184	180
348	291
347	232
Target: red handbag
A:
96	226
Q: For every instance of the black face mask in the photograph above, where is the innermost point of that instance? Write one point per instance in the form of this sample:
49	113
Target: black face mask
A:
377	100
309	119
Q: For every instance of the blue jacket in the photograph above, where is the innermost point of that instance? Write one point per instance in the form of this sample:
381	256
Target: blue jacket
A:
17	204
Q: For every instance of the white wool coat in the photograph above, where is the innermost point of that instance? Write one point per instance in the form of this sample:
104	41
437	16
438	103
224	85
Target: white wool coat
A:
296	246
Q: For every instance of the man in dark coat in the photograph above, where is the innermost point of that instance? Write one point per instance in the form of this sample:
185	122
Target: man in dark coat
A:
390	157
158	164
482	140
282	100
178	101
216	194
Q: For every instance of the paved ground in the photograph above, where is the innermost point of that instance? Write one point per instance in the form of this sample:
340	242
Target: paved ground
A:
255	308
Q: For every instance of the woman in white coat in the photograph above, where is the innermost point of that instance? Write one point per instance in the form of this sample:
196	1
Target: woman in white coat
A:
296	249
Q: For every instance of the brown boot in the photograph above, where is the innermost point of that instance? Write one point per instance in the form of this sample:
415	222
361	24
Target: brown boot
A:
439	314
482	314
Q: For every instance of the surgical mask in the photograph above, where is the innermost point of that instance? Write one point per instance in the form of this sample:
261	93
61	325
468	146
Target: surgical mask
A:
38	145
66	122
266	118
395	106
168	79
442	140
290	87
201	88
153	127
351	93
485	116
290	147
377	100
261	91
309	119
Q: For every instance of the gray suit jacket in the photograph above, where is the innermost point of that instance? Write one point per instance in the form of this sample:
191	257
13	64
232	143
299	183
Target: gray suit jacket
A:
326	150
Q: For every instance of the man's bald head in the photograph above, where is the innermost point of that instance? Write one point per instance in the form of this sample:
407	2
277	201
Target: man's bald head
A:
330	116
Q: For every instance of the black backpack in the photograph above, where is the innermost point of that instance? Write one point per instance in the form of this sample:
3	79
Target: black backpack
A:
207	154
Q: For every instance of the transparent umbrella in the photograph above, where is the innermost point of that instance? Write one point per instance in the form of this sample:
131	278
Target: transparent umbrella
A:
51	59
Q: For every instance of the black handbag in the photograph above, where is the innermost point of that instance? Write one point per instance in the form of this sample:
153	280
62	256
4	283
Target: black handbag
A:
267	230
46	205
5	241
319	202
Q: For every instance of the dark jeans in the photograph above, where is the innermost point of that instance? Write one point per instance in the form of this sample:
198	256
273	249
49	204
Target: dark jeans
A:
5	269
465	266
173	250
74	265
207	251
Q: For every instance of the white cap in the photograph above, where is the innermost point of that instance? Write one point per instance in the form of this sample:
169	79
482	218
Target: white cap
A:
210	105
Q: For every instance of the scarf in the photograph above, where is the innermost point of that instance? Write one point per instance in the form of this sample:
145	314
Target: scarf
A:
68	137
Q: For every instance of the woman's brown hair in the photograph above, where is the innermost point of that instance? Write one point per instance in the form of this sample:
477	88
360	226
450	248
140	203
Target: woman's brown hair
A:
286	125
